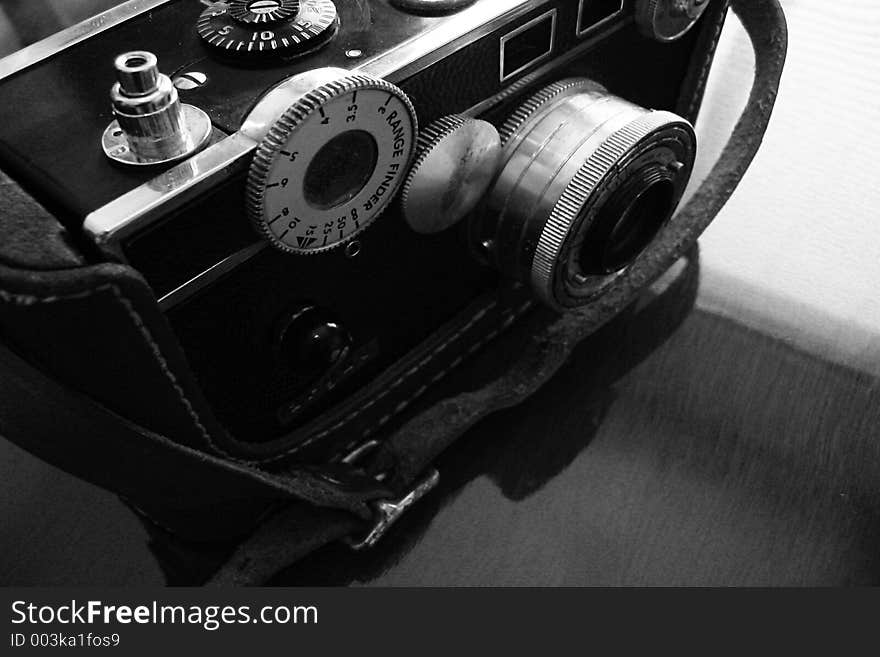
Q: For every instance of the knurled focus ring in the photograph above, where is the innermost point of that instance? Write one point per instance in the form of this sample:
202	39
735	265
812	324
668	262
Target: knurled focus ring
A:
526	112
587	181
562	227
494	226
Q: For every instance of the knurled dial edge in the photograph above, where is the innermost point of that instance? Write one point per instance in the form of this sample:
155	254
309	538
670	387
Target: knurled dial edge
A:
429	139
542	100
240	11
280	132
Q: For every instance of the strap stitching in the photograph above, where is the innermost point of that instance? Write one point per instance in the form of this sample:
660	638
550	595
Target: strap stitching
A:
30	300
327	387
163	365
507	319
707	66
400	380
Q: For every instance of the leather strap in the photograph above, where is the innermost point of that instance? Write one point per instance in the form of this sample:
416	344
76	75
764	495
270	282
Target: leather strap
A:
548	340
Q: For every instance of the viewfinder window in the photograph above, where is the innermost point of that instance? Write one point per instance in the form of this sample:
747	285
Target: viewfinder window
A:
592	14
528	45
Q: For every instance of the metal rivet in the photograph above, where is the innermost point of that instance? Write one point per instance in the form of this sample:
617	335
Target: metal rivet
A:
354	53
190	80
352	249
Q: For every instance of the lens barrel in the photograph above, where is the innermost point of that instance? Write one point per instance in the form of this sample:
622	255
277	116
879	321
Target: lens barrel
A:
586	183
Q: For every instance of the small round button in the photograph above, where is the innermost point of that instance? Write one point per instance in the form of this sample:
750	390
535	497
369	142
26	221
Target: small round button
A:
456	162
310	341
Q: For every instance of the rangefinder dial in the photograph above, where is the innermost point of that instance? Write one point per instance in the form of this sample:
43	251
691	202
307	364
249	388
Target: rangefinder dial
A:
331	164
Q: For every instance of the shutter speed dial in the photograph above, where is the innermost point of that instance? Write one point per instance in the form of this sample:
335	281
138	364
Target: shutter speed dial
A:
331	163
257	29
262	11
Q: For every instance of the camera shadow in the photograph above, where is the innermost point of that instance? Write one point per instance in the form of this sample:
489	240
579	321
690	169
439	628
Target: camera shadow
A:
514	449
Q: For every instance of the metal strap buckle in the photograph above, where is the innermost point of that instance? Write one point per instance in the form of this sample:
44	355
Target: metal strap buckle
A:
387	512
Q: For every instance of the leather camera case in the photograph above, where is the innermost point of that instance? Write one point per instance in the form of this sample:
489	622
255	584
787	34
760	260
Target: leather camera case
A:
95	379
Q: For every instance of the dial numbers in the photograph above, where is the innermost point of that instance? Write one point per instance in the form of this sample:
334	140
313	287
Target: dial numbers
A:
255	28
317	183
262	11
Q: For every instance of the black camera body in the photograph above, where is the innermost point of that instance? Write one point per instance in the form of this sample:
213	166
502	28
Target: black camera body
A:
297	314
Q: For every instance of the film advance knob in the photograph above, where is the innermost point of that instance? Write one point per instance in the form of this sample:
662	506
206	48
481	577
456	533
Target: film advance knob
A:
668	20
431	7
457	160
151	125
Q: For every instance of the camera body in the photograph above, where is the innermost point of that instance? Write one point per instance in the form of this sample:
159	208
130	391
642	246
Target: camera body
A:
316	286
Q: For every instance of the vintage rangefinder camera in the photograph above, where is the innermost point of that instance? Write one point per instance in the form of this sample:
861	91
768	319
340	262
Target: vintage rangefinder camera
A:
272	226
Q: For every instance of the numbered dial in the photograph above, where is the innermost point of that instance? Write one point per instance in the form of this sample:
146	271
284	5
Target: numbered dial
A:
268	28
331	164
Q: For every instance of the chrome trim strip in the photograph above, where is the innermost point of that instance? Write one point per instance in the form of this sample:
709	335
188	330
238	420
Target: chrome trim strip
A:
211	274
595	26
139	207
456	32
37	52
169	191
504	76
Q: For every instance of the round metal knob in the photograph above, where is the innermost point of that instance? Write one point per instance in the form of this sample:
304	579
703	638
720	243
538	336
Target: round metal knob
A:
151	126
668	20
137	73
431	7
456	162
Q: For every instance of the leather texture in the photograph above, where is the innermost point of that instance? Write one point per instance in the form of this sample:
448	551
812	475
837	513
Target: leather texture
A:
544	343
170	457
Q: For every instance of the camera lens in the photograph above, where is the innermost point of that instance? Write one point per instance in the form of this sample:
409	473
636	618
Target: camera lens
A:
625	226
587	182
